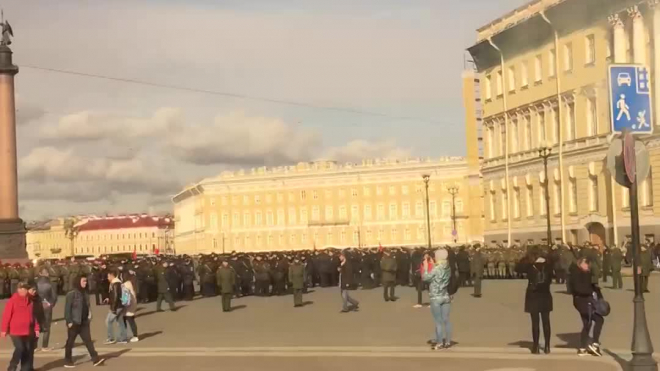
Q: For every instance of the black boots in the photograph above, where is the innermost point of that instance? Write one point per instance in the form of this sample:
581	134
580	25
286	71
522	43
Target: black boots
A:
535	349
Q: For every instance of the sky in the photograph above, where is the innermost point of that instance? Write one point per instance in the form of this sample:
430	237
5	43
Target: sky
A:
230	84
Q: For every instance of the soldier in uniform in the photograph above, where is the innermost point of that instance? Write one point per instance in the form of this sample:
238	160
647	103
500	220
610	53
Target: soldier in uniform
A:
646	263
388	265
616	258
207	276
14	278
463	262
501	265
262	276
64	278
477	270
226	279
567	260
607	263
188	274
491	264
297	279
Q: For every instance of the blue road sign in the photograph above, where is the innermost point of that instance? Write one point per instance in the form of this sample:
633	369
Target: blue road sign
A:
630	98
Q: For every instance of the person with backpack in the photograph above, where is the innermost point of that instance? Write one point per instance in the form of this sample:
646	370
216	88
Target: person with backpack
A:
129	301
439	275
538	298
117	311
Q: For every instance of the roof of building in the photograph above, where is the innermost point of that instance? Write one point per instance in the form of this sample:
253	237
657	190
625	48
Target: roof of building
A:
125	222
518	15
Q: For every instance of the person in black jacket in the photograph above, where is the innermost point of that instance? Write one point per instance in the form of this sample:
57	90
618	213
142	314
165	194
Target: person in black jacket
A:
77	315
116	312
538	299
583	293
346	283
47	300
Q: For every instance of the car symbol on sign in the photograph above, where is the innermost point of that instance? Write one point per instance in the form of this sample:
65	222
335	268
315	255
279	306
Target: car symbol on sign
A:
624	78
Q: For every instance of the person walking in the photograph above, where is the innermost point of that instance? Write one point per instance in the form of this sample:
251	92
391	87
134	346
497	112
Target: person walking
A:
48	298
346	283
583	293
131	307
388	266
297	279
20	323
226	279
538	299
116	312
78	315
438	275
616	259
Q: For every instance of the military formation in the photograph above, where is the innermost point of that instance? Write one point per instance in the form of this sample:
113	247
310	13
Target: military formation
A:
172	278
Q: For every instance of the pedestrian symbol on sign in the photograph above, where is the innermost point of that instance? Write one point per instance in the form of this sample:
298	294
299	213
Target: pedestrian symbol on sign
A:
623	108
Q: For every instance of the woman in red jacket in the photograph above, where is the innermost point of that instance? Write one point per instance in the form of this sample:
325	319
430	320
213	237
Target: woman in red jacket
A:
18	321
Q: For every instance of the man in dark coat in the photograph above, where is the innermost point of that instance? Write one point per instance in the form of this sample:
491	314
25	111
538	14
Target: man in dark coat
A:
646	268
163	287
463	262
478	262
325	269
188	274
226	279
262	275
297	280
403	267
616	259
607	263
388	266
346	283
207	277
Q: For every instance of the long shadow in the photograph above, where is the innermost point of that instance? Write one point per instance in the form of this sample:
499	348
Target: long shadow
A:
625	365
179	307
306	303
57	319
238	307
149	334
139	309
145	313
571	340
523	344
58	364
81	344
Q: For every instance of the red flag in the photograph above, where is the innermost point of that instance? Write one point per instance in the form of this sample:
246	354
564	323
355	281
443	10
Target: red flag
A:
380	247
134	254
156	251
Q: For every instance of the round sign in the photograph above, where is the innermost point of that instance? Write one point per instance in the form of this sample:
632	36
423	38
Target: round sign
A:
454	233
629	156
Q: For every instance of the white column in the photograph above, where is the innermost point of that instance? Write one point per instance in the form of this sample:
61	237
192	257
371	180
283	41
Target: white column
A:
654	6
639	36
619	38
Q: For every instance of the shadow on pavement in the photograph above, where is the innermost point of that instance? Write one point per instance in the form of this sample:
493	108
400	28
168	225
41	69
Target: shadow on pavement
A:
149	334
238	307
572	340
523	344
306	303
60	362
138	315
625	366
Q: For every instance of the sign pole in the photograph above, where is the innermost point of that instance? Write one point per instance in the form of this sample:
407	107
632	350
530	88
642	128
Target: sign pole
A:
642	347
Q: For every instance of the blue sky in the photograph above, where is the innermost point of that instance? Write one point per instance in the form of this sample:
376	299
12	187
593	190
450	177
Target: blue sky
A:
397	58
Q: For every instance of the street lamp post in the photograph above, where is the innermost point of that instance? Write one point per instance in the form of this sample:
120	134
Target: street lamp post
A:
453	191
426	178
544	153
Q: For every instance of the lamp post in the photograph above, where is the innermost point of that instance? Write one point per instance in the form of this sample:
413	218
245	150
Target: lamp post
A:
544	153
426	178
453	191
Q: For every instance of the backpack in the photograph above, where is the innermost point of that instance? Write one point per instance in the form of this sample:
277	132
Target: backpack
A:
453	286
125	296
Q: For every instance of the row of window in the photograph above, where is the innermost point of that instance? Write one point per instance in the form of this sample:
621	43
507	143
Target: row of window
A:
521	80
331	237
521	128
118	236
110	249
646	198
271	218
304	195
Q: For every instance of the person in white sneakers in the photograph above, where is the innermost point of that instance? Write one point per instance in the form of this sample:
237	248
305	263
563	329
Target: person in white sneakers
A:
131	308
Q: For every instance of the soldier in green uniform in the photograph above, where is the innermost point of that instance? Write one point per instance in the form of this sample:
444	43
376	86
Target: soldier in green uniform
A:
616	257
64	278
226	279
501	265
297	280
388	268
607	263
646	263
477	271
74	272
24	273
14	278
511	263
491	264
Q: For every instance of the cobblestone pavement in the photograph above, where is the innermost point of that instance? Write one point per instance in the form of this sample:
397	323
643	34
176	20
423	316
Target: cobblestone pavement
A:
493	326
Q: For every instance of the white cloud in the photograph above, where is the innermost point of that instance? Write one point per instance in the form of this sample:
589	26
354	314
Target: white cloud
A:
357	150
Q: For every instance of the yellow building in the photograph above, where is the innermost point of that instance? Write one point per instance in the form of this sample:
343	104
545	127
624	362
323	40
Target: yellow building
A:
140	233
323	204
542	78
48	240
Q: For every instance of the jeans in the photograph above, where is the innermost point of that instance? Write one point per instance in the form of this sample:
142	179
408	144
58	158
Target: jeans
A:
23	353
346	299
130	320
85	335
119	318
45	327
598	321
440	311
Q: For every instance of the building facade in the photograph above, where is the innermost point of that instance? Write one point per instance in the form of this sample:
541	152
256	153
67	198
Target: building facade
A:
542	76
48	240
140	233
323	204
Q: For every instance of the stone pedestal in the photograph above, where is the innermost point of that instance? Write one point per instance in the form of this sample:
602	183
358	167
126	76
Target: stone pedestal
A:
12	228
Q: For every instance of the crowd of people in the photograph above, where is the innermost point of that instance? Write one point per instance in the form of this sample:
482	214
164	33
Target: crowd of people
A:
123	283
